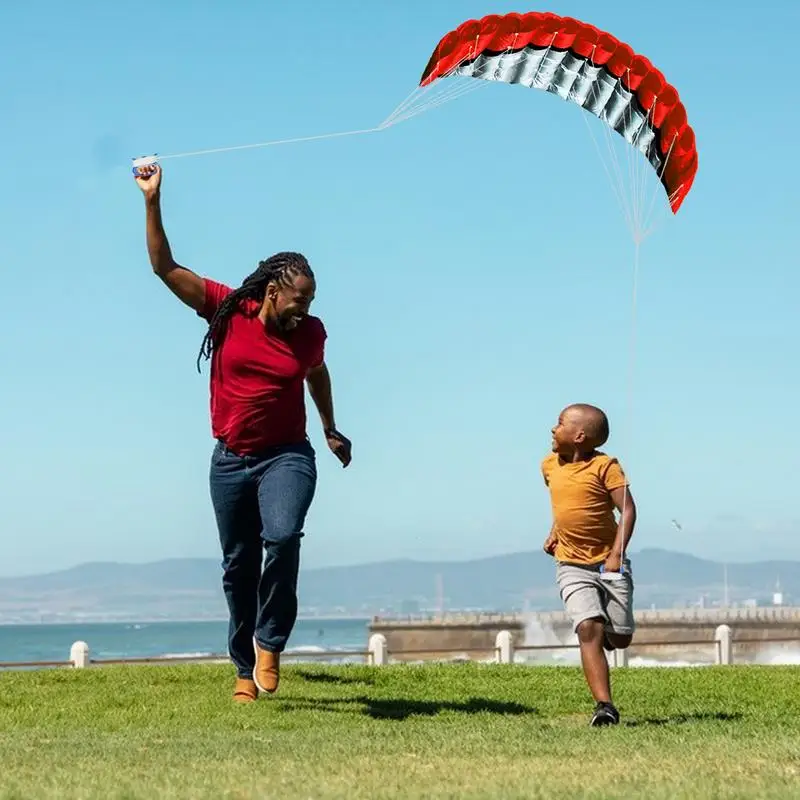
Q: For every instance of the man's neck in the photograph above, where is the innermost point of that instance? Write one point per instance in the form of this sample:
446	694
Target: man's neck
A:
269	319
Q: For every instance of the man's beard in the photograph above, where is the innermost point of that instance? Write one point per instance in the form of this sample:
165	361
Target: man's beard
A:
290	321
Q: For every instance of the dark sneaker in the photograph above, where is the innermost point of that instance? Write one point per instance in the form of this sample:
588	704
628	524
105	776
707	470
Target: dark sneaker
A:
604	714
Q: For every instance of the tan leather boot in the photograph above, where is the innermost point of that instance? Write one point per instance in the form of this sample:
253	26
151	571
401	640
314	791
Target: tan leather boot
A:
245	691
267	669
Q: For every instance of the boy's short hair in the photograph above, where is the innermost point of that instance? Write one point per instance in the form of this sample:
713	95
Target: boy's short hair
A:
595	423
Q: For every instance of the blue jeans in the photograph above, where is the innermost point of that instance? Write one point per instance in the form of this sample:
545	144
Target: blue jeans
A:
261	503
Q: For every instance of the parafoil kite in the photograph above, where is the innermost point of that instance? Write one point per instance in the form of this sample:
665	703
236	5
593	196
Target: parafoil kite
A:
585	66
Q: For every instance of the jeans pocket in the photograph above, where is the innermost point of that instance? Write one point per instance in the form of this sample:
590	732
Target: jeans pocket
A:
219	454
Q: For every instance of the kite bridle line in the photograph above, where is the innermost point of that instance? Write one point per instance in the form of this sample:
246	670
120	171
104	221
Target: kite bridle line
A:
418	101
639	229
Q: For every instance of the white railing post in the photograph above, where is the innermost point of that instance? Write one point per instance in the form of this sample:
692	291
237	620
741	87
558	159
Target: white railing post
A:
724	638
378	651
79	655
504	642
620	658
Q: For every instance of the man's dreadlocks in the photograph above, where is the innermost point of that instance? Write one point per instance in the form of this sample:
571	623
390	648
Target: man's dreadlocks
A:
282	268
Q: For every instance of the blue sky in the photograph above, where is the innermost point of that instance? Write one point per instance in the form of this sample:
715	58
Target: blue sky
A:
474	275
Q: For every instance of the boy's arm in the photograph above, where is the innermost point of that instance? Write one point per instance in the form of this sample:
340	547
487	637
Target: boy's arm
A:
550	542
617	485
625	504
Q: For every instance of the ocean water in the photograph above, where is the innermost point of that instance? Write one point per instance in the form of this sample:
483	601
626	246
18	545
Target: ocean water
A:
167	639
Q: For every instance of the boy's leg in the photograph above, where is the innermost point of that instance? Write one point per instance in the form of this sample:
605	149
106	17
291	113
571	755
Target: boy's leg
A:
591	634
235	504
583	599
286	488
593	659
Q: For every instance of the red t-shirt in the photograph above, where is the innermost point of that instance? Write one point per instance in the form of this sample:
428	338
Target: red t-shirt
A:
257	379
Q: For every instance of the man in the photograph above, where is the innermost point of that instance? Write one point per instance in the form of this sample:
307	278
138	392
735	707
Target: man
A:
264	347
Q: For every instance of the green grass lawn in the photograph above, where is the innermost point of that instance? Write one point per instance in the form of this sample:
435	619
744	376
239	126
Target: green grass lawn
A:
462	731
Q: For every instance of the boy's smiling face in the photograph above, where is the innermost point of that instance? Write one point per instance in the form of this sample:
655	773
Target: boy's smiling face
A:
568	432
580	429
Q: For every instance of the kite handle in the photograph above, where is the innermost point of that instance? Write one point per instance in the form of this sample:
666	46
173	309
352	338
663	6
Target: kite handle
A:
612	576
144	161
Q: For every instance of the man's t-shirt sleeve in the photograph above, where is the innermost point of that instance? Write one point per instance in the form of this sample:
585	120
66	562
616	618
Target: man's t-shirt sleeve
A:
318	352
215	293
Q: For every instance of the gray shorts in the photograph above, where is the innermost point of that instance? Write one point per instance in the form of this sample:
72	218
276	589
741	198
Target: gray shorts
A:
587	596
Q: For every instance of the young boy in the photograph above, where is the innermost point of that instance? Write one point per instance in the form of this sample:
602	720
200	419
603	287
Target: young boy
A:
589	545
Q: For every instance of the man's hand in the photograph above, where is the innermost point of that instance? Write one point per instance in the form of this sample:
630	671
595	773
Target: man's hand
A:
149	180
340	446
550	544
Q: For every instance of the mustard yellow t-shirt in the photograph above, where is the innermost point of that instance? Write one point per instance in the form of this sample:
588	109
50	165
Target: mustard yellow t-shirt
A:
583	512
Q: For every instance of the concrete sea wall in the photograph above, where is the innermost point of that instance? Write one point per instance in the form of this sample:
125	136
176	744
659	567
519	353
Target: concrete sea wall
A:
679	635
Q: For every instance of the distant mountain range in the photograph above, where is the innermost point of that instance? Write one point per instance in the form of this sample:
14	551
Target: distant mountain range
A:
181	589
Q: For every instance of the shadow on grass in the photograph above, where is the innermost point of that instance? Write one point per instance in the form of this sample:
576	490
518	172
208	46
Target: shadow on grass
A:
684	719
323	677
400	709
